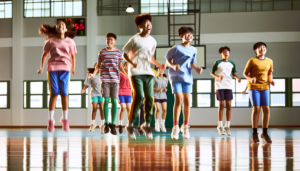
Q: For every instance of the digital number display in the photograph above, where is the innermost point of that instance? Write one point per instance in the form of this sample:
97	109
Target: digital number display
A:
78	25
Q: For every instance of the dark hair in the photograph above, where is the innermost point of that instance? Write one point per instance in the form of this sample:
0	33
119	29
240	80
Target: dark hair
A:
141	18
49	31
184	30
222	48
111	35
158	74
91	70
256	45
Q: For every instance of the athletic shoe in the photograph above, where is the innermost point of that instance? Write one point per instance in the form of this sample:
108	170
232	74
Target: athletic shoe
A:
157	128
220	130
266	137
51	125
185	131
137	132
92	127
120	129
175	132
147	131
65	124
140	131
106	128
130	133
102	128
226	129
163	128
112	129
254	138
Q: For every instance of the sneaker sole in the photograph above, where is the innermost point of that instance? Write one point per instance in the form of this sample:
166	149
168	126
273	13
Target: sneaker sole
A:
128	135
265	139
146	135
253	140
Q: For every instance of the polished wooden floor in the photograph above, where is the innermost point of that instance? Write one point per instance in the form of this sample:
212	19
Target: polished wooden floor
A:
36	149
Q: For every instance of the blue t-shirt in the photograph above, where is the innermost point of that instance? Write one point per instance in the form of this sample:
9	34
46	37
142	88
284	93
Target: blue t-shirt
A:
184	57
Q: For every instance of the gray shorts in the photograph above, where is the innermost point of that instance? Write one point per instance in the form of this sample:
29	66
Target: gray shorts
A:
110	89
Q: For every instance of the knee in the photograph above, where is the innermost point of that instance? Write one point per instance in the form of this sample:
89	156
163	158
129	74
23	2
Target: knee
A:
164	111
221	106
179	100
157	110
122	109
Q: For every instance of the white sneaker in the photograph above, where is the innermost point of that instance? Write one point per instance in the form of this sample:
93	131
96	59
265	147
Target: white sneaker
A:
220	130
157	128
102	127
226	129
175	132
130	132
147	130
185	131
92	127
163	127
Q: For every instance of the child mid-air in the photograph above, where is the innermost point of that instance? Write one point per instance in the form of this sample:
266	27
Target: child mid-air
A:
95	96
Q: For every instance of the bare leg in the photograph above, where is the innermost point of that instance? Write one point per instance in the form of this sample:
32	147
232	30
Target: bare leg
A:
122	111
186	106
101	110
177	106
52	102
228	110
128	107
94	110
164	110
64	102
255	116
265	116
157	110
220	111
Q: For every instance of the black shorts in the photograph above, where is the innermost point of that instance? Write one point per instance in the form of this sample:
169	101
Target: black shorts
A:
160	100
224	94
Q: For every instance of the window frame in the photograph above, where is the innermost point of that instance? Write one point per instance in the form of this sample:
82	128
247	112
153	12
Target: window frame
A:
7	95
290	98
84	6
11	9
45	95
285	92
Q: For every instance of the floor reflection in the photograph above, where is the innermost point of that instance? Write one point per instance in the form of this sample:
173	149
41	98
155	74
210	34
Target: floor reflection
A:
81	150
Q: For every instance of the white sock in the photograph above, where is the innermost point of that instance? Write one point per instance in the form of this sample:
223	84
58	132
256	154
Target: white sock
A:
163	122
94	122
157	121
227	124
147	124
130	123
51	115
120	122
220	123
65	114
102	122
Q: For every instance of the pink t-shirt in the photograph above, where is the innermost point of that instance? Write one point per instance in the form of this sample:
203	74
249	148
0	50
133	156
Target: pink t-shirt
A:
125	87
60	52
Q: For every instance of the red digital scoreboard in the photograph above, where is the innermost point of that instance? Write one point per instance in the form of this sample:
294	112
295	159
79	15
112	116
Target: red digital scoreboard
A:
78	25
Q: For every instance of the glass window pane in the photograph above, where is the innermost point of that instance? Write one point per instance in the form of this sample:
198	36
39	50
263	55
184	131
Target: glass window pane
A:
240	87
58	101
75	87
24	85
203	86
279	86
242	100
296	99
3	87
203	100
68	9
87	101
278	99
77	8
36	87
56	9
75	101
296	84
8	10
3	101
25	104
36	101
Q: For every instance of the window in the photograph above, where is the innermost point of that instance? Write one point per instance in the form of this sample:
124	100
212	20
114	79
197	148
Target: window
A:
4	95
277	93
160	7
37	95
117	7
296	92
54	8
5	9
202	96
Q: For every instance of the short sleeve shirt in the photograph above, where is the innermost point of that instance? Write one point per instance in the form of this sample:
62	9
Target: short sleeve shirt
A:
140	51
94	83
60	52
160	83
184	57
110	59
224	68
125	88
259	69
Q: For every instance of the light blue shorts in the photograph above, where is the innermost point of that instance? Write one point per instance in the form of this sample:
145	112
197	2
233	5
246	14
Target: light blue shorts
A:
178	87
97	99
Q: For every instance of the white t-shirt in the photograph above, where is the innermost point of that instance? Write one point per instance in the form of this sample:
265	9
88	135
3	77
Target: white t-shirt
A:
140	51
224	68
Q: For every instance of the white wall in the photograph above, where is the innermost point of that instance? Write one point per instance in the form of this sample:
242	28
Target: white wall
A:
237	30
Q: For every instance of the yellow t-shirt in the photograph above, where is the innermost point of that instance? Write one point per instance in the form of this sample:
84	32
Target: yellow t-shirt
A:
259	68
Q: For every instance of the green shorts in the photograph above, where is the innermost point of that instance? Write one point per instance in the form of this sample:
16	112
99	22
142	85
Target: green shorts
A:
97	99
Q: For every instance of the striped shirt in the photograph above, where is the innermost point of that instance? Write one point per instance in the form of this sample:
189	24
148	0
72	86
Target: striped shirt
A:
109	59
